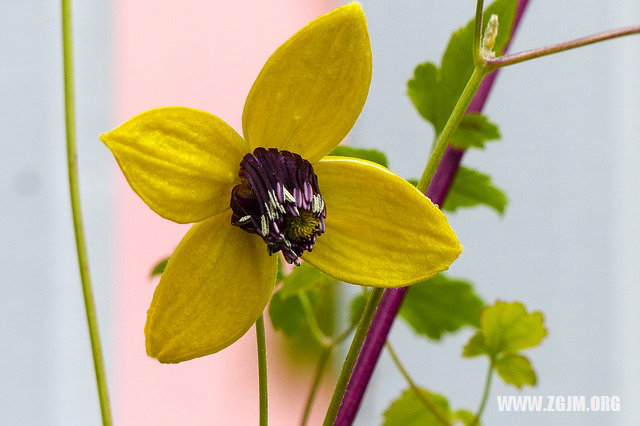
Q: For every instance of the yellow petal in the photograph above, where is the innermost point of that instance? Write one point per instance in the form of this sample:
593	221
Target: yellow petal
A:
182	162
380	230
312	89
215	287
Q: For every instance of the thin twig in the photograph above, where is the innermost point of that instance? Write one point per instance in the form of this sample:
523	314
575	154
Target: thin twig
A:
560	47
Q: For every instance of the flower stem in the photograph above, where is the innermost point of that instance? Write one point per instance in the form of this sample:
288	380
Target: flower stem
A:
352	356
430	405
262	372
452	124
392	299
485	395
560	47
74	191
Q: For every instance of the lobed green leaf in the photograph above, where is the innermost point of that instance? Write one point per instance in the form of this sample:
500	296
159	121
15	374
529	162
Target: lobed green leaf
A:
441	305
508	327
516	370
409	410
286	314
471	188
474	131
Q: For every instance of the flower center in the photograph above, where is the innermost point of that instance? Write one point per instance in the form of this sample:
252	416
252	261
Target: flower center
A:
278	199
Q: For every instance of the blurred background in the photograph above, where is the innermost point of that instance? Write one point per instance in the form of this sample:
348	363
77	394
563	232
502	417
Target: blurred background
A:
568	244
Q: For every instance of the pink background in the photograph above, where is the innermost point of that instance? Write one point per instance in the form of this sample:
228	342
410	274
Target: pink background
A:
202	54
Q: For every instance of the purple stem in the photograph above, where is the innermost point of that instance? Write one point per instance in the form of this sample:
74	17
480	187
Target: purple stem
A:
392	298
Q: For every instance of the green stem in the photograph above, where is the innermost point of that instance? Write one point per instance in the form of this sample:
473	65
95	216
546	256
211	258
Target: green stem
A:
485	395
427	403
81	249
452	124
317	379
262	372
317	333
352	355
560	47
477	36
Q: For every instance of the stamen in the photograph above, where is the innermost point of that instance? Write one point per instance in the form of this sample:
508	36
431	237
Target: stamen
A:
279	199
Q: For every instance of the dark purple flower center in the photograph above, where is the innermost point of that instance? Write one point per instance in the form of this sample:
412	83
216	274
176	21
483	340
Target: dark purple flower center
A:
278	199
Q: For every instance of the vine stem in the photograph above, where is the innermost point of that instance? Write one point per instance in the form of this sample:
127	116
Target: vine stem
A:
340	390
560	47
74	192
392	299
485	395
425	401
262	371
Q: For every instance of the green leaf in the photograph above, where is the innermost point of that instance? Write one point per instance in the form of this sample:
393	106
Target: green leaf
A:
287	314
471	188
441	305
409	410
434	91
474	131
356	308
302	279
363	153
423	90
466	417
475	346
516	370
508	327
160	267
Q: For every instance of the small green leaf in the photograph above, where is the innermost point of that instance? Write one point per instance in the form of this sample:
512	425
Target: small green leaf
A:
474	130
516	370
508	327
287	314
302	279
441	305
471	188
409	410
475	346
356	308
160	267
363	153
423	89
435	90
465	417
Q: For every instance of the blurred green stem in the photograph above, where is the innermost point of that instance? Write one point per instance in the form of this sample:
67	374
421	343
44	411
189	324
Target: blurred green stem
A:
425	401
81	249
485	395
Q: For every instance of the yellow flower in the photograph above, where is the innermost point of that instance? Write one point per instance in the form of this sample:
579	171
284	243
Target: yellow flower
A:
276	188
